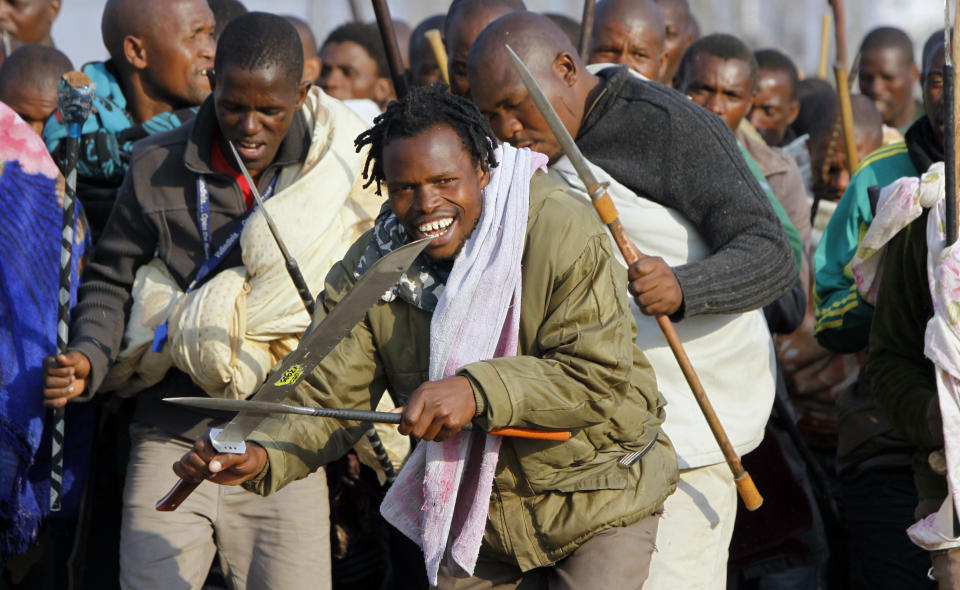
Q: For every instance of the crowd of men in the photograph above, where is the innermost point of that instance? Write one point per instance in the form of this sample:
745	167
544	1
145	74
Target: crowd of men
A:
727	168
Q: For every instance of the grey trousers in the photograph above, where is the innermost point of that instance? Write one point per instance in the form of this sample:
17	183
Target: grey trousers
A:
281	541
615	558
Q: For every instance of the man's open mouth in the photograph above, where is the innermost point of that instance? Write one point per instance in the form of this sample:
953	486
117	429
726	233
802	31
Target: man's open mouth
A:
436	228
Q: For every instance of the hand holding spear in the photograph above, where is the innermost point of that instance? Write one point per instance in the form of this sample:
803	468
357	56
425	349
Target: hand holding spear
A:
608	214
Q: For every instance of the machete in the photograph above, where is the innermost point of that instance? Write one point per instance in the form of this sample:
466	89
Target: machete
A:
265	408
609	216
316	343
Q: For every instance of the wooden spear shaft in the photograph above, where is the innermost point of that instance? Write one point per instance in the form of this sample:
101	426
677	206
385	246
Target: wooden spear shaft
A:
952	116
586	28
439	52
389	38
843	87
824	46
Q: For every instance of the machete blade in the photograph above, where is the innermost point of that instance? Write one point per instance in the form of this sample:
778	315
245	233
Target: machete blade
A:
324	337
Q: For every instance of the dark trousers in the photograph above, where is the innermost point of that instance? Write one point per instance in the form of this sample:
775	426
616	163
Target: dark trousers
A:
878	507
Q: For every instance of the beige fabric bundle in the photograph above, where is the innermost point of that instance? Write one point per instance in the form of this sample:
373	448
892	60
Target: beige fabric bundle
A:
228	333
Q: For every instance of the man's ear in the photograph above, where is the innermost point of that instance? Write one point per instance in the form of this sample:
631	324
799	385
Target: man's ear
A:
383	92
53	9
662	69
794	111
484	176
302	91
135	52
914	73
565	67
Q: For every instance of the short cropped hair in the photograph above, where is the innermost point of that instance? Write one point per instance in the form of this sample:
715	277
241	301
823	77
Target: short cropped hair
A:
365	35
38	66
772	60
258	40
722	46
886	37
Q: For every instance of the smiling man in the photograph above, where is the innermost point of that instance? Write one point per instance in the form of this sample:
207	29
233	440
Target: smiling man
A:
29	21
180	203
444	344
160	53
630	33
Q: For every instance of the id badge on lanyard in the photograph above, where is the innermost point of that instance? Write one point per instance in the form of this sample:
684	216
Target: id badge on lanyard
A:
210	261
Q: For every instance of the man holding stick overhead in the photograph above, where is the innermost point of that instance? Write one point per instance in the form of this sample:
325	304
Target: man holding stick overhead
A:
501	325
673	171
185	247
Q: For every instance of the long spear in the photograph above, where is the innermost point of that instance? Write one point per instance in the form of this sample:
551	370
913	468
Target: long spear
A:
435	39
390	45
952	104
610	217
586	27
824	46
843	88
74	103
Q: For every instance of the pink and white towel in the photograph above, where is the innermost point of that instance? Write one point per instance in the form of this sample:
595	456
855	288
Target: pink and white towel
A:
899	204
442	495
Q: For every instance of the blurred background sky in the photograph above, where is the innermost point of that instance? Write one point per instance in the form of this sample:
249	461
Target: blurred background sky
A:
790	25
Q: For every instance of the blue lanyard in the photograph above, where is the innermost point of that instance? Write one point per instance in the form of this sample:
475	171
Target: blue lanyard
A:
210	262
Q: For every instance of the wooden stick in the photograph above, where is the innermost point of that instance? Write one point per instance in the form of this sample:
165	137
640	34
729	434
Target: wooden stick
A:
586	28
843	88
439	52
823	67
389	38
745	487
951	161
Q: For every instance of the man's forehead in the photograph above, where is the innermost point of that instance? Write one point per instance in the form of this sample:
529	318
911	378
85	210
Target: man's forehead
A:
773	80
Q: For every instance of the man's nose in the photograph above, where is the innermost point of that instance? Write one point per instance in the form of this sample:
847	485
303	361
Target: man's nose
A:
250	124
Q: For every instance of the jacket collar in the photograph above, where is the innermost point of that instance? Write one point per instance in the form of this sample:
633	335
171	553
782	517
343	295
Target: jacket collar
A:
196	157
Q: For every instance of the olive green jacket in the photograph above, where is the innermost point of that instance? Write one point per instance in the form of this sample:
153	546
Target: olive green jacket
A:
578	369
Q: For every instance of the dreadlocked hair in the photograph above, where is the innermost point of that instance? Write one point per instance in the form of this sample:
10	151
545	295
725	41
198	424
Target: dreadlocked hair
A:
425	107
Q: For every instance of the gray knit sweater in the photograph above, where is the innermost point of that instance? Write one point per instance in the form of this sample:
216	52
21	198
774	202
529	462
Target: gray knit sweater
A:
661	145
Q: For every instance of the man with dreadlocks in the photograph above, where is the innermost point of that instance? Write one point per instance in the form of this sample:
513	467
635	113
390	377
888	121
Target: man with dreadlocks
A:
185	246
498	324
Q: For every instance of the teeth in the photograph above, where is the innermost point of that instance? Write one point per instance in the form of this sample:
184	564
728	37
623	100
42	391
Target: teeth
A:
432	226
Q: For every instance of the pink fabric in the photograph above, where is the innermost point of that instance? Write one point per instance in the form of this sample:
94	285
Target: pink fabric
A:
442	495
18	142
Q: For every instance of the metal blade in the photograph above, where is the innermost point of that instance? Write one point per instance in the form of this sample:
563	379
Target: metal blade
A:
324	337
556	125
239	405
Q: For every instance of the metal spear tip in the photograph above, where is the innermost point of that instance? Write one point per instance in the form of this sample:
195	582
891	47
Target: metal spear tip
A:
75	98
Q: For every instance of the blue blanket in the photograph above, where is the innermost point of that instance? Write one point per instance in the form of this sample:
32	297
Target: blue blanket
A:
30	229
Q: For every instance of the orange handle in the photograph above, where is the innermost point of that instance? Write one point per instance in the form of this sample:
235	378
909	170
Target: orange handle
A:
557	435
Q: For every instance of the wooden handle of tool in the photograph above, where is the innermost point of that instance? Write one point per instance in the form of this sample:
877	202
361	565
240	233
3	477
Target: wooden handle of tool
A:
823	66
439	52
846	115
557	435
748	491
175	497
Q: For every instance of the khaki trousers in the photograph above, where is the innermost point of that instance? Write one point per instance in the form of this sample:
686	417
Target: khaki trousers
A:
615	558
281	541
693	540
